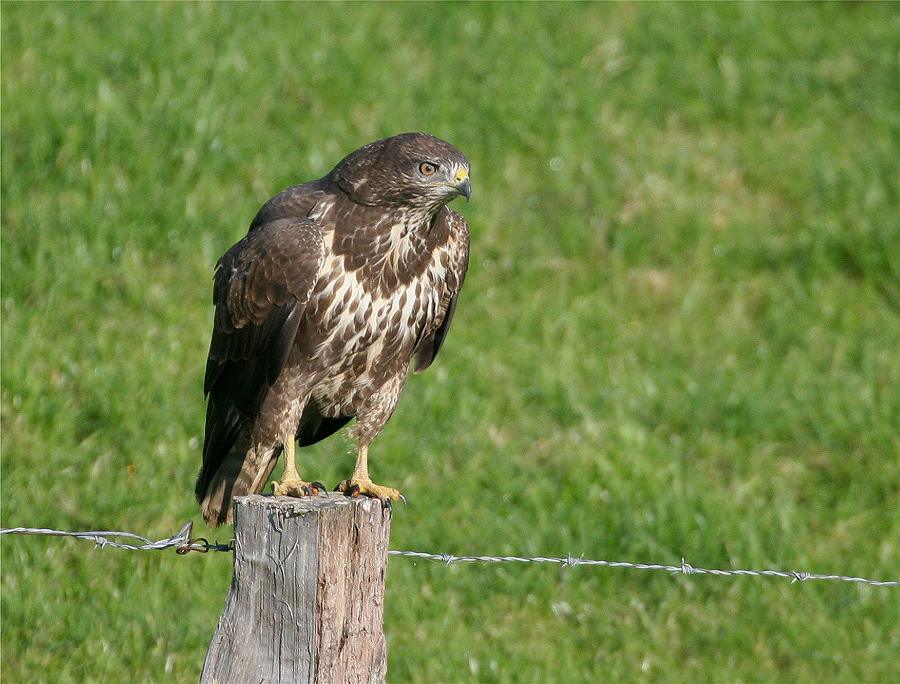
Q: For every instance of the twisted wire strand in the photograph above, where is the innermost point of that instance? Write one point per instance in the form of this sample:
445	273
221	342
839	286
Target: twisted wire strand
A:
183	543
684	569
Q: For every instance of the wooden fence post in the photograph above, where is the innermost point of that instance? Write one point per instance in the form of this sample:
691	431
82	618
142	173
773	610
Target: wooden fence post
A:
306	602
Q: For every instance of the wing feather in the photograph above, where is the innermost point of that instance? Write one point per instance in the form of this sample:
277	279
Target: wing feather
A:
261	290
456	255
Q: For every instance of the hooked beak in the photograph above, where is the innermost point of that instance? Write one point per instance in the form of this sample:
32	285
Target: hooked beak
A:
463	184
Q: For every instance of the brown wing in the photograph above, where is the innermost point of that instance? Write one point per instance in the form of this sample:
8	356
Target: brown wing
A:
298	200
455	256
261	289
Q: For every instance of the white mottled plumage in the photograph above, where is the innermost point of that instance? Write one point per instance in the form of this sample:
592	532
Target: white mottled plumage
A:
362	312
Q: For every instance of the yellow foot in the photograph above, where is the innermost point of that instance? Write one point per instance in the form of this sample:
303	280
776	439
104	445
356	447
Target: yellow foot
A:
297	487
353	487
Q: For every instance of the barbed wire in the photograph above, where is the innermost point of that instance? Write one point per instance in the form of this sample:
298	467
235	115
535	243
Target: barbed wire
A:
184	543
684	569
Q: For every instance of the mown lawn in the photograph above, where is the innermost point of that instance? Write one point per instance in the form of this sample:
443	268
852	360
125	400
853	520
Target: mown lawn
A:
679	336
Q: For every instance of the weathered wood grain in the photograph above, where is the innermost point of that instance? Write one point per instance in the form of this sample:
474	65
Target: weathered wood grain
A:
306	602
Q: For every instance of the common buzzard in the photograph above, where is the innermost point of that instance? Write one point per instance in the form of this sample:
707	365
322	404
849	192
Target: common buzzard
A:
319	310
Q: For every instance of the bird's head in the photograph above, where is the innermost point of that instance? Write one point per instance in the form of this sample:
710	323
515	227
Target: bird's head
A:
412	170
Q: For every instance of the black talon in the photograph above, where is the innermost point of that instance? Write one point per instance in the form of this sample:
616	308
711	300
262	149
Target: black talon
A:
318	487
349	489
388	505
403	499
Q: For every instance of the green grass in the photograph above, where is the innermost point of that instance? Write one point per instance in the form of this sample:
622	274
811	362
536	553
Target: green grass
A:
679	335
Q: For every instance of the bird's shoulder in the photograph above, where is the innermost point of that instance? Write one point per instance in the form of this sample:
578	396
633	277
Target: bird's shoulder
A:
455	225
454	245
275	264
298	201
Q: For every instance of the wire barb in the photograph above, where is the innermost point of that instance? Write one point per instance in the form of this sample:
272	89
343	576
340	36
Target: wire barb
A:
184	543
684	569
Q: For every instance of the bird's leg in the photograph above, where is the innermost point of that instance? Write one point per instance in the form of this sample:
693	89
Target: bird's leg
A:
360	483
291	484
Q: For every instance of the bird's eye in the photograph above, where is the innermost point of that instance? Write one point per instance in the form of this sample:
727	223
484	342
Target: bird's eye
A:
427	168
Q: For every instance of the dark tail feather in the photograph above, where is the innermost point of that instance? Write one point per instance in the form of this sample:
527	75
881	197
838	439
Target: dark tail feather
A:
242	472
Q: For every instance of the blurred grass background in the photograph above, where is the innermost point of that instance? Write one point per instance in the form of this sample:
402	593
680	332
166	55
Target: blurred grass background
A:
679	335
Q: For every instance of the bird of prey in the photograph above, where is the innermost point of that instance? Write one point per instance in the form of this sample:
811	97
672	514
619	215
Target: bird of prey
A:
319	311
